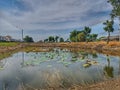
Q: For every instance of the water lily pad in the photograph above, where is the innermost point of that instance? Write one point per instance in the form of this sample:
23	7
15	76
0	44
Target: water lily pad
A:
86	65
49	66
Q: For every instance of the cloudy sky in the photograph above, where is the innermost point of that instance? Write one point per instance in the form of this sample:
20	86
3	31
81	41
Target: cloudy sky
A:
42	18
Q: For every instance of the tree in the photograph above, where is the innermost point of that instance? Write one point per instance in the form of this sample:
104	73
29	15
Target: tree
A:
108	28
87	32
61	39
46	40
81	37
73	35
28	39
51	39
93	37
56	38
116	10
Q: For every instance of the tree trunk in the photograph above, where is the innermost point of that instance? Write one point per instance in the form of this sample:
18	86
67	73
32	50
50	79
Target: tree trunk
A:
119	28
108	39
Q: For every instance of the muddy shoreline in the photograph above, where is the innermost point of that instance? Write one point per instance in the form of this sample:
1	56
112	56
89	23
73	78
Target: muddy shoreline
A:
113	48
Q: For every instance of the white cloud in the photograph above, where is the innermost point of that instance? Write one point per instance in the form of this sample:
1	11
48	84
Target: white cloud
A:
54	14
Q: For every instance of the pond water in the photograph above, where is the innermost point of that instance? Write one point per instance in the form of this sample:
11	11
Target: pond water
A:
56	68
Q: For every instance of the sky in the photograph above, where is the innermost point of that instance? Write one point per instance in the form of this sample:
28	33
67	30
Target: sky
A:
43	18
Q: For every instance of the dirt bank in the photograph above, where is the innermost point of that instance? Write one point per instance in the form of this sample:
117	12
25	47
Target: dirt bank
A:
9	48
112	48
106	85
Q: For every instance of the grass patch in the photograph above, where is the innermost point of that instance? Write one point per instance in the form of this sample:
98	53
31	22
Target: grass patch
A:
8	44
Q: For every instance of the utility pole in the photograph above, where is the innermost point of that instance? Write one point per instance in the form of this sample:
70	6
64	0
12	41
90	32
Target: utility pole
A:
22	35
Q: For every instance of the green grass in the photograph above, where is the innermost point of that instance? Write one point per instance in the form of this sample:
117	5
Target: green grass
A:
7	44
5	55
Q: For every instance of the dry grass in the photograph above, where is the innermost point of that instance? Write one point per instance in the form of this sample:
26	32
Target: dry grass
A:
106	85
114	44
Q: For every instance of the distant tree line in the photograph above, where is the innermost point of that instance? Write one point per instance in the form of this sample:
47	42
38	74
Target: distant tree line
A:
54	39
83	35
28	39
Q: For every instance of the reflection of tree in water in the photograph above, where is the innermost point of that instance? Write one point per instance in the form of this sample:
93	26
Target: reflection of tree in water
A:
108	70
2	64
94	55
84	55
119	67
22	63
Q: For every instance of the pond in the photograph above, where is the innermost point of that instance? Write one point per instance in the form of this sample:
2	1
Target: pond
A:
56	68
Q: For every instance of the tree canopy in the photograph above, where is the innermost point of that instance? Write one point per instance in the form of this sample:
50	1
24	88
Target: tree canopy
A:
28	39
108	28
83	35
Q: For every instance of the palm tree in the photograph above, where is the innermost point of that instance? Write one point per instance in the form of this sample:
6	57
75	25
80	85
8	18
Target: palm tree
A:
108	28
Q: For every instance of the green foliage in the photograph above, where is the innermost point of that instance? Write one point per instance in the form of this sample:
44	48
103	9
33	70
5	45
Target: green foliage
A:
87	32
28	39
73	35
108	70
93	37
56	38
51	39
6	44
46	40
108	27
81	37
61	39
116	7
84	35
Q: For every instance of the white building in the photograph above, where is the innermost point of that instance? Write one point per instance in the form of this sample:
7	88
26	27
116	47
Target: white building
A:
6	38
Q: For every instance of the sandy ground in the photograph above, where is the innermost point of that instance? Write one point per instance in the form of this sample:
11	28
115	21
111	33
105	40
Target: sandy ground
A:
106	85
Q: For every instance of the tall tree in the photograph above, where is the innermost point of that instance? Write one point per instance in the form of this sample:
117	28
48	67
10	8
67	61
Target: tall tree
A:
87	32
108	28
116	10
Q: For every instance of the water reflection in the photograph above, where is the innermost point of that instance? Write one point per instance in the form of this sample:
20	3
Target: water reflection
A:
2	64
108	69
23	59
57	68
119	67
94	55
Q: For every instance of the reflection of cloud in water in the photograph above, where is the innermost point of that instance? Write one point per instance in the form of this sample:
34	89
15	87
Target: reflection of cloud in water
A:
54	78
47	78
